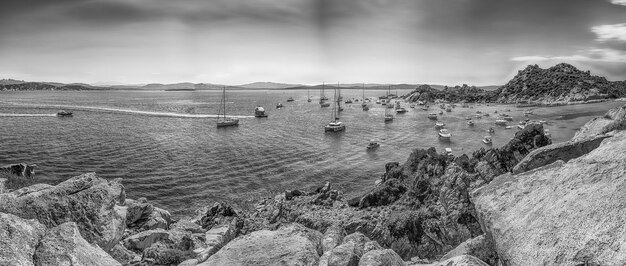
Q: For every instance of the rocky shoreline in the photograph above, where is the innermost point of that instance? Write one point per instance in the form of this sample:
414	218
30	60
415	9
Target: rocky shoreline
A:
529	202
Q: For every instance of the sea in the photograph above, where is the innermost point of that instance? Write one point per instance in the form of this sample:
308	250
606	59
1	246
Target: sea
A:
166	147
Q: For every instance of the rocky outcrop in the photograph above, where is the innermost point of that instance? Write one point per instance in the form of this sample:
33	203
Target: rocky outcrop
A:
563	151
463	260
560	214
614	119
91	202
20	170
63	245
480	247
384	257
18	239
289	245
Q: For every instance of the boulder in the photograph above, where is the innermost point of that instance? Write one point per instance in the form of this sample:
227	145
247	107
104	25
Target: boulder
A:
216	238
219	213
563	151
87	200
563	213
18	239
385	257
187	225
289	245
137	211
123	255
346	254
20	170
63	245
480	247
332	237
463	260
145	239
614	119
158	219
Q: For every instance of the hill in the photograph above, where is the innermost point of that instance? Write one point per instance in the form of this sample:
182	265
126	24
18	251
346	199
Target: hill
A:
37	86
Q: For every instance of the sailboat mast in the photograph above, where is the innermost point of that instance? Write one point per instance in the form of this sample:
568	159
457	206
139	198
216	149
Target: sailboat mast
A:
224	101
333	114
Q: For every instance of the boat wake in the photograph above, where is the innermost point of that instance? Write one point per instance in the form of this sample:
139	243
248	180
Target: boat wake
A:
26	115
115	110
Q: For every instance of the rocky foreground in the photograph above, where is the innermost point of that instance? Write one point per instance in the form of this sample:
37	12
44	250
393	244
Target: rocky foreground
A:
529	202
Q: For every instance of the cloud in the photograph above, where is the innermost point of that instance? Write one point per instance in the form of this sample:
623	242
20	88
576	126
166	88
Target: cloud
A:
619	2
593	54
610	32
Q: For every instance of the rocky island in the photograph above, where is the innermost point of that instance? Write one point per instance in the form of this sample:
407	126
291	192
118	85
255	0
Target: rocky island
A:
558	85
529	202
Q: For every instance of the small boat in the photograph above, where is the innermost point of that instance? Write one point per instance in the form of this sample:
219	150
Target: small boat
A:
444	134
64	113
479	112
547	133
401	110
491	131
383	103
290	99
223	121
259	112
421	102
487	140
440	124
543	122
478	116
412	106
366	108
349	101
324	104
449	151
468	118
500	122
470	123
377	101
509	127
425	108
373	145
432	116
508	118
279	105
521	126
486	114
440	112
528	112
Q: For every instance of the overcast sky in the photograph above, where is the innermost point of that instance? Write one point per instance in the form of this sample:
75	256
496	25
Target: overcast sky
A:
479	42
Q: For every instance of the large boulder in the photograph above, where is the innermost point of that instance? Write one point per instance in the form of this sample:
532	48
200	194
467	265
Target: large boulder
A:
289	245
563	213
563	151
18	239
20	170
614	119
89	201
463	260
63	245
332	237
385	257
480	247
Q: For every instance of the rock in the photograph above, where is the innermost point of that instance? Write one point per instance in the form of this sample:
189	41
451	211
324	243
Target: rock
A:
479	247
217	237
87	200
289	245
359	239
18	239
371	245
20	170
162	253
138	210
63	245
332	237
216	214
345	254
189	262
145	239
614	119
563	213
187	225
385	257
2	186
563	151
123	255
385	194
463	260
158	219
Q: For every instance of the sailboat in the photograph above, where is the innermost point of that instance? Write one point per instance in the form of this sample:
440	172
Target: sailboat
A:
335	125
388	116
308	93
339	108
223	121
323	98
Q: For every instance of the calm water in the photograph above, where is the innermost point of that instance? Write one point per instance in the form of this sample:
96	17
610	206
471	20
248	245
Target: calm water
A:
168	149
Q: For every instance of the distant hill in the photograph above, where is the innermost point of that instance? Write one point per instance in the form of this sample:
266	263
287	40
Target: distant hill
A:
32	86
268	85
10	81
562	83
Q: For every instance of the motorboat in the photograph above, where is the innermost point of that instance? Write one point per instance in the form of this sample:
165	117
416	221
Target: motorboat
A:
508	118
470	123
290	99
64	113
440	124
388	117
449	151
432	116
279	105
509	127
487	140
401	110
491	131
444	134
486	114
547	133
377	101
500	122
259	112
324	104
478	116
412	106
349	101
373	145
468	118
440	112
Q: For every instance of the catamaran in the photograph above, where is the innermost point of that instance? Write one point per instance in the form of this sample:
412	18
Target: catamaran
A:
223	121
334	125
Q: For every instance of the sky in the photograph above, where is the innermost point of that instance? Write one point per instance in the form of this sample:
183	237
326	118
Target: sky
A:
448	42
